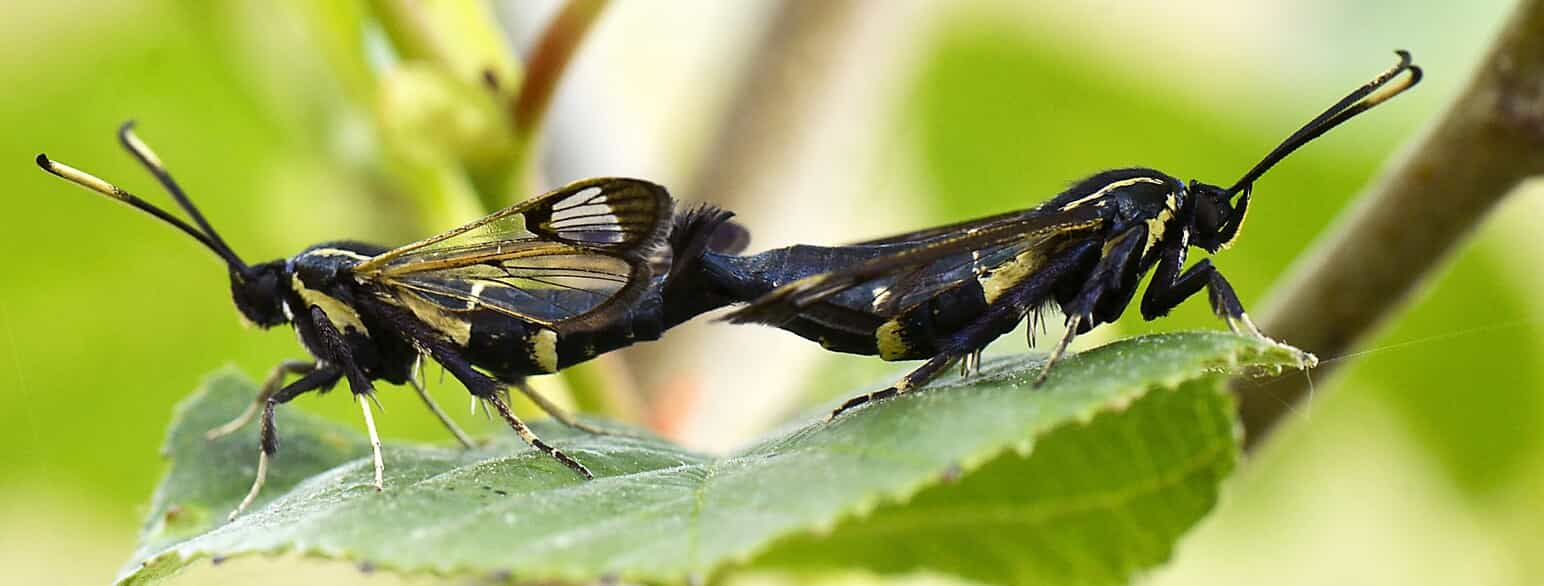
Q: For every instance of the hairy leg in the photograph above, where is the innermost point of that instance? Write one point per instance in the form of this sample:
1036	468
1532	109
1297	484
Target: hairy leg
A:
558	412
1169	288
418	385
1107	277
999	317
268	442
271	385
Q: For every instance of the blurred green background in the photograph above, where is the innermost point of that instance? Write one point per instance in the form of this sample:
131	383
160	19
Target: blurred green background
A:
1421	463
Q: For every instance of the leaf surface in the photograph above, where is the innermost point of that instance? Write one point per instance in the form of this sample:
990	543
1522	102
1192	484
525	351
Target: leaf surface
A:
1086	480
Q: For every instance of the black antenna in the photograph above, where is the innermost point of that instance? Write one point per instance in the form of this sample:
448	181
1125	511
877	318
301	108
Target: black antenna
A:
98	185
148	158
1347	108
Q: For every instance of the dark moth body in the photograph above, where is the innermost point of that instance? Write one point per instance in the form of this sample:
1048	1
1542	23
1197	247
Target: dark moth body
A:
485	305
916	314
320	276
507	348
527	290
943	294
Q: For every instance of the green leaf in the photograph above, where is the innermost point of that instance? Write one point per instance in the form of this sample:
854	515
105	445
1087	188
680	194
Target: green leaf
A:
1093	504
1115	475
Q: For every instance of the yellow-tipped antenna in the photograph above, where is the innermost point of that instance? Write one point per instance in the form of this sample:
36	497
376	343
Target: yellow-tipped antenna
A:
148	158
207	237
1356	102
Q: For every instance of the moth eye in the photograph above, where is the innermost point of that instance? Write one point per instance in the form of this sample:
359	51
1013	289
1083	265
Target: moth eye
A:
1206	216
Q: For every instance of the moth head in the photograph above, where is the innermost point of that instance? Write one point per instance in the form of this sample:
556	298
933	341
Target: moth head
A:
256	289
1215	218
259	293
1218	213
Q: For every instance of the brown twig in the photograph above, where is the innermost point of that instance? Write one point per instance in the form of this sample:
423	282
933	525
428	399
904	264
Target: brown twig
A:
1422	208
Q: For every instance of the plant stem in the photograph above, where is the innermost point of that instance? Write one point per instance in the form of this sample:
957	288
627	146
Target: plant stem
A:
790	72
461	39
460	36
603	385
1422	208
767	113
549	59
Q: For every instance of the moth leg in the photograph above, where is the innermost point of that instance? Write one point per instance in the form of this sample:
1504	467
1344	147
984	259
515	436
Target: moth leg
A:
970	365
999	318
1226	305
268	442
359	384
1106	277
558	412
526	434
489	390
375	439
1073	323
478	384
921	375
271	385
1169	288
418	385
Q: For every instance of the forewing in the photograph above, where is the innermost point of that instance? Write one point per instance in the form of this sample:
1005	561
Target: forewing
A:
617	216
892	293
948	229
570	257
889	284
554	288
895	294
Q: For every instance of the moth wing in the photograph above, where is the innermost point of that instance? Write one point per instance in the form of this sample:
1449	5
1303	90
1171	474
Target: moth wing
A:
554	287
888	284
574	256
611	215
944	230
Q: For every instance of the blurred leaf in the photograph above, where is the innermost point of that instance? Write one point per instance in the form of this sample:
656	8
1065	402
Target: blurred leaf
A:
432	116
1111	496
1006	124
454	75
463	37
1468	384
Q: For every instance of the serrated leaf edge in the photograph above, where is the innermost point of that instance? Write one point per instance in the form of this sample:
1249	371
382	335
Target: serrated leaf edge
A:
861	509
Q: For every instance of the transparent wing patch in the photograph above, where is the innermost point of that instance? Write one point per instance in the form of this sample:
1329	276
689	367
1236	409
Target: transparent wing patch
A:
626	217
545	289
560	257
